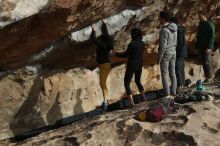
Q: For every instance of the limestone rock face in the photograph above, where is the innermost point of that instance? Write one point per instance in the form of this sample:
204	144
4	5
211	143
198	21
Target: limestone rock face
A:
193	124
15	10
30	101
54	35
48	38
36	33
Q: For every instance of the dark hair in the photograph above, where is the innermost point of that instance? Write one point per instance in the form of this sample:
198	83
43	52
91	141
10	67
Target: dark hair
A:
174	20
165	15
136	34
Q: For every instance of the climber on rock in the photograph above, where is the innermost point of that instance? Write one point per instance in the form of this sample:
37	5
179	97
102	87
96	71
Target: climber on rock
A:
134	53
104	44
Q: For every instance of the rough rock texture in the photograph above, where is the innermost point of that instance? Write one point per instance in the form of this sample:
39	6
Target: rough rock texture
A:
36	33
15	10
32	101
57	37
194	124
50	31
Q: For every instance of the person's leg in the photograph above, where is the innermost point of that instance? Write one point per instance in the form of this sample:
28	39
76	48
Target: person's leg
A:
173	74
183	73
127	81
165	74
104	71
202	59
207	64
138	83
180	73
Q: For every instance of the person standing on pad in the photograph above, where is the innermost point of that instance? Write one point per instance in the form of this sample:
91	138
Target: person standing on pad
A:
104	44
134	53
181	54
167	53
205	43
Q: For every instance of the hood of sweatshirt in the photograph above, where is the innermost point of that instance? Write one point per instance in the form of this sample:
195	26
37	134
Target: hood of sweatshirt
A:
172	27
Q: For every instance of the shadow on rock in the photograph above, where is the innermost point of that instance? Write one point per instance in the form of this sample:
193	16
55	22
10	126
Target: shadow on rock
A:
28	117
55	112
78	108
173	138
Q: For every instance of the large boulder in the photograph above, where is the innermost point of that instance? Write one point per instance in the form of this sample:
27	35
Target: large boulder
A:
193	124
15	10
29	101
58	37
37	32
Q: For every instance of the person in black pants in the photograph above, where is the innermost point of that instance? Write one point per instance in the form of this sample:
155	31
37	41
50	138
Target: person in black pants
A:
181	54
205	41
134	53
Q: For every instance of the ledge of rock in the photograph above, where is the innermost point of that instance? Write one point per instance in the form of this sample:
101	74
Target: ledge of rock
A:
194	124
30	101
49	70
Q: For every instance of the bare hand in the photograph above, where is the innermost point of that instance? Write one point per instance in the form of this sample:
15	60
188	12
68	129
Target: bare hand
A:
114	52
93	28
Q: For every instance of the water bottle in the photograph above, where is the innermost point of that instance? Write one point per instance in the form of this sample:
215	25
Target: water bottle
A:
199	85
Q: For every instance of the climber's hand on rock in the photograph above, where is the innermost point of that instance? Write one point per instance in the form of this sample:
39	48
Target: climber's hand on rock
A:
114	52
93	28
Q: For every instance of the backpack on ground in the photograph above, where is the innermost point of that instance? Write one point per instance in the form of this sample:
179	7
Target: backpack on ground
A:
155	113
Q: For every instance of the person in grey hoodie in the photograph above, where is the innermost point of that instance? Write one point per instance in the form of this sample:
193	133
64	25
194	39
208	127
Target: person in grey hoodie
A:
167	53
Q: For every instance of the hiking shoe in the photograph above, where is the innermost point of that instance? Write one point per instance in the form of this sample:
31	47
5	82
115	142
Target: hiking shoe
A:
170	97
105	105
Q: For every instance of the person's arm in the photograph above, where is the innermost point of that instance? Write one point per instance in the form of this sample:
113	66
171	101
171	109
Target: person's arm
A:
162	44
109	40
96	41
124	54
197	42
93	34
197	39
180	39
211	36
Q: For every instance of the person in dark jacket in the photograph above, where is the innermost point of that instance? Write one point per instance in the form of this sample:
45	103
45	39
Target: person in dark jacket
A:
205	43
104	44
181	54
134	53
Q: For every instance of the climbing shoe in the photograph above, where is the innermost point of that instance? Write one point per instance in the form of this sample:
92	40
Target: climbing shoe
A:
105	105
